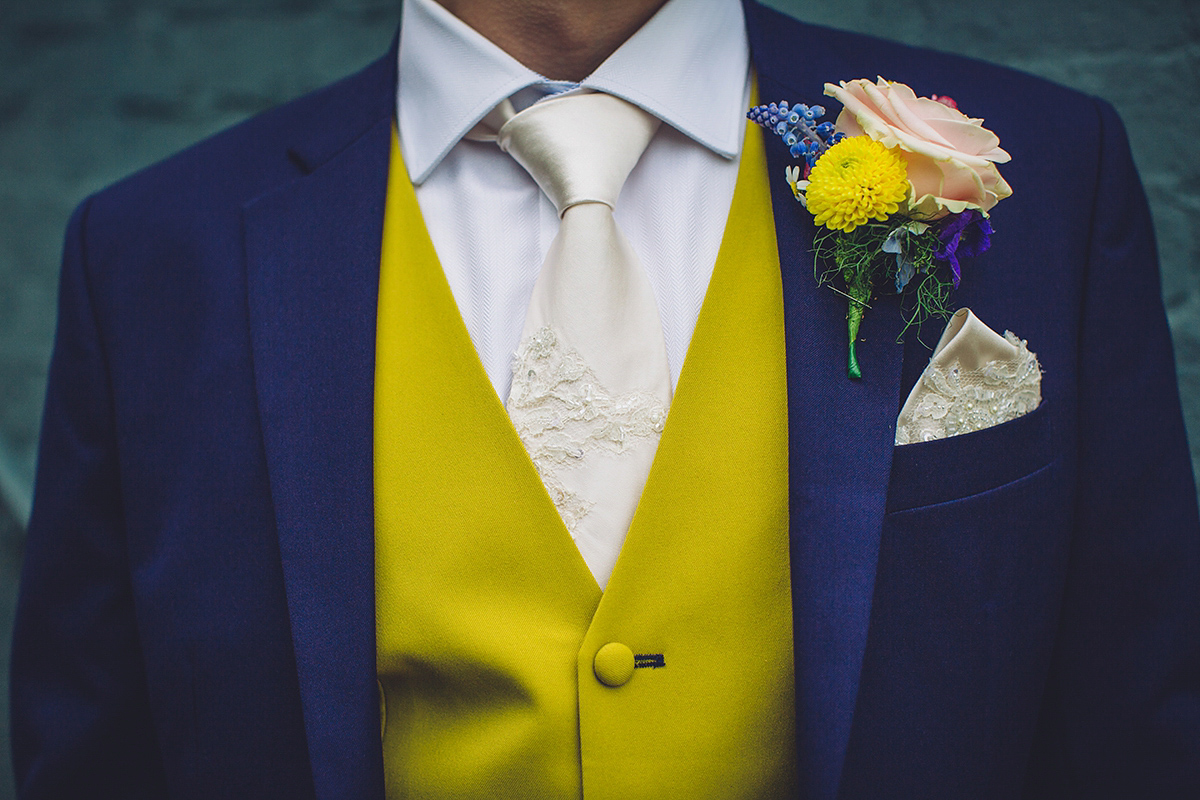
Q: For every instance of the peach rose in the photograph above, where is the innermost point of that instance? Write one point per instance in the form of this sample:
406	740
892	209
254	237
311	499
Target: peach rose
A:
951	158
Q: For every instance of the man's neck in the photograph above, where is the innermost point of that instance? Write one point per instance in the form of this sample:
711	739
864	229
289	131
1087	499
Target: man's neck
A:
560	39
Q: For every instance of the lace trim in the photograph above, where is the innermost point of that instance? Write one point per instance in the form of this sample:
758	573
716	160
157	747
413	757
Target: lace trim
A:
562	413
958	401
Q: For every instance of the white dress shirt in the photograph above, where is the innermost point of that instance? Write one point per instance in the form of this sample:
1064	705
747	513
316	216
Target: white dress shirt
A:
490	223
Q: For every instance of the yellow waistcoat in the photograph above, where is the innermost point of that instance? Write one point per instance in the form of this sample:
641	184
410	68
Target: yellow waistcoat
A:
492	635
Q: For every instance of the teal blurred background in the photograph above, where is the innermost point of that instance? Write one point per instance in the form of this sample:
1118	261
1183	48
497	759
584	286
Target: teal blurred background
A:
91	90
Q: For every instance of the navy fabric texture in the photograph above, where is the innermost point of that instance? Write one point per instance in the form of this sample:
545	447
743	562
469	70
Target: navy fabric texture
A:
1013	613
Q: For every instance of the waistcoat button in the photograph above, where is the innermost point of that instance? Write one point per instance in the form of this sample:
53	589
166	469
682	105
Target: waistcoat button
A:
613	664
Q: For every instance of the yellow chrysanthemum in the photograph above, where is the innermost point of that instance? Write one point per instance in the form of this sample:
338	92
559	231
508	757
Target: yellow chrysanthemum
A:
856	180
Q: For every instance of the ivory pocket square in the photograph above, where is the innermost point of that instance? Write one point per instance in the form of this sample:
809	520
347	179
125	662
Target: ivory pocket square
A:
975	379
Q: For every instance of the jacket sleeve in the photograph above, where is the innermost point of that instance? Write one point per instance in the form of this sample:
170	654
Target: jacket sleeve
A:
81	722
1121	711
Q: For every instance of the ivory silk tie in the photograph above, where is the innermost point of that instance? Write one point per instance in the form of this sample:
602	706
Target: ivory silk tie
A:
591	386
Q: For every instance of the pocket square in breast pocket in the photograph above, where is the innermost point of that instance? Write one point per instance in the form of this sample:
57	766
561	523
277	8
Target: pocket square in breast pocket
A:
975	379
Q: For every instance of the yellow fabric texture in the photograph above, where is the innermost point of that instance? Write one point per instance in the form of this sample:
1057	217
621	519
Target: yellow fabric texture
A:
489	622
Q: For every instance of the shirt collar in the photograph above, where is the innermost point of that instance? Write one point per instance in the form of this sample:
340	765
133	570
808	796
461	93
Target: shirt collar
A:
684	66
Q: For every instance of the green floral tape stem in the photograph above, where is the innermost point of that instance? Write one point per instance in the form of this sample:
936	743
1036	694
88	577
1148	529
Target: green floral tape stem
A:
858	286
858	261
856	258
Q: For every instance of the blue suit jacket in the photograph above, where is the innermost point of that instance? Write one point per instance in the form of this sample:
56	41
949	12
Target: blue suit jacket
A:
1010	613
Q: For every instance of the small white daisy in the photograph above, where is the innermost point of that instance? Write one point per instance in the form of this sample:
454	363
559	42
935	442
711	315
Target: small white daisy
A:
798	186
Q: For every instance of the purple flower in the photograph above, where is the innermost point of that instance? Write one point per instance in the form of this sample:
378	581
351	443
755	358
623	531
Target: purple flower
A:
966	234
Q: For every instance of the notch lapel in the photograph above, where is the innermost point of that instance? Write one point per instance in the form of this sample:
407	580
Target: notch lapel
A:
841	435
312	258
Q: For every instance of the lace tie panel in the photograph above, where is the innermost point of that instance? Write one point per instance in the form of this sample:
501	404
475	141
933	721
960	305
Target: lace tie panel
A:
562	413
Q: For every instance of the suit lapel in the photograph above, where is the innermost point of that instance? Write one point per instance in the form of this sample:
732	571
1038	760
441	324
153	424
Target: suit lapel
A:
312	259
841	437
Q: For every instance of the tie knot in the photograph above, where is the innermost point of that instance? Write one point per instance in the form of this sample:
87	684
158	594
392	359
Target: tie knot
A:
579	148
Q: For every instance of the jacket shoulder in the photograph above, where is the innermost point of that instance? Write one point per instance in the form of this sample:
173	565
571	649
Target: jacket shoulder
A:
232	167
802	57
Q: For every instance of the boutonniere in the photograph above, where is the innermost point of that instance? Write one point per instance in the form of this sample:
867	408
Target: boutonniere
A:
900	187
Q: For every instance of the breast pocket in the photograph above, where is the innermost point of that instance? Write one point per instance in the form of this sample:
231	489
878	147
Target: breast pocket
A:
928	473
969	581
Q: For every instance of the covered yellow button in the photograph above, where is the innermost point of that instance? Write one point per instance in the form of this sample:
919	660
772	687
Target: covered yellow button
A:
613	664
